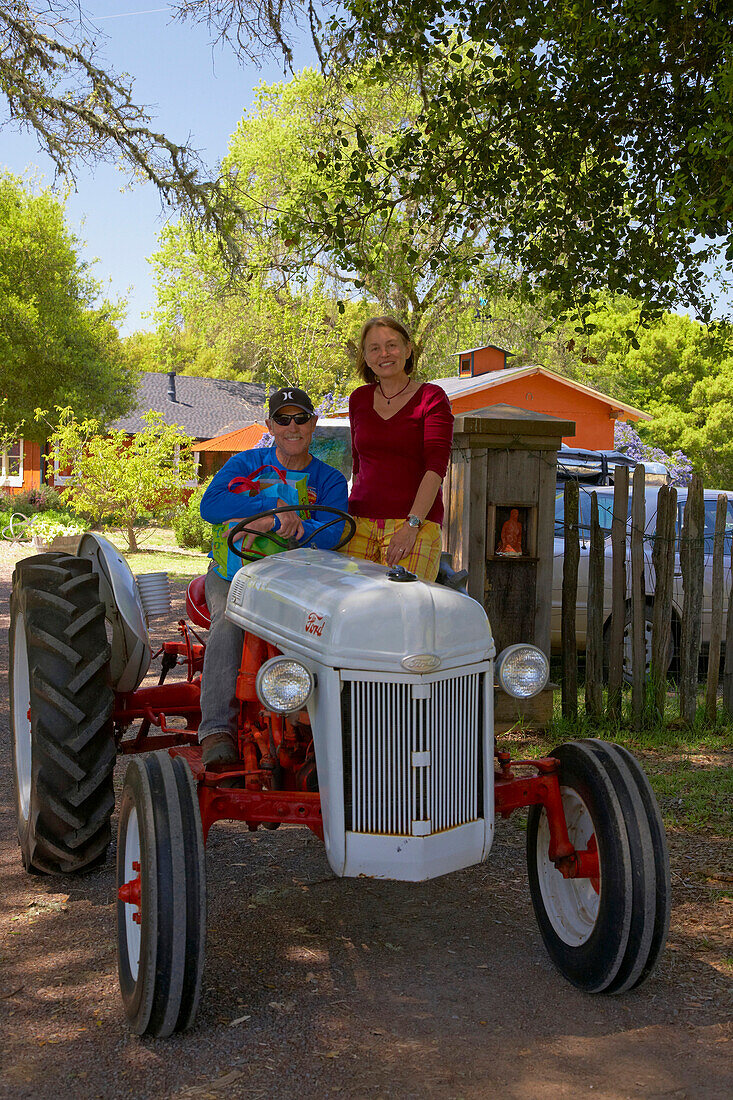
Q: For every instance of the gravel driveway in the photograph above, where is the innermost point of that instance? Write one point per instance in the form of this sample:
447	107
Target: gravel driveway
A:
317	987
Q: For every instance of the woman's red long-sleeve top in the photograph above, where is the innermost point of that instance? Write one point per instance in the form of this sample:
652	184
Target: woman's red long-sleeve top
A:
392	456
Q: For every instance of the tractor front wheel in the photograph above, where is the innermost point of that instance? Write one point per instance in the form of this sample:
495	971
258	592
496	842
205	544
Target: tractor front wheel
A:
604	935
161	891
61	706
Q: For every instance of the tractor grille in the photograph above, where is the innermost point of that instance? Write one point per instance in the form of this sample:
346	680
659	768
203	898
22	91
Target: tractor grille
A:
412	766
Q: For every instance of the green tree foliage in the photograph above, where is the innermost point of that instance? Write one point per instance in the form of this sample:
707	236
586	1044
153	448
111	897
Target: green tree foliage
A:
285	319
55	346
683	376
277	330
599	134
595	136
140	351
117	476
702	426
677	370
293	152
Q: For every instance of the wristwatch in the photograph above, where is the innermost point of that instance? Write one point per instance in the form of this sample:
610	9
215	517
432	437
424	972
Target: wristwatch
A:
414	521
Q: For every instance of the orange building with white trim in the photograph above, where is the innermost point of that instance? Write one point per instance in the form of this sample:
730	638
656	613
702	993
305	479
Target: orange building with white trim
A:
485	379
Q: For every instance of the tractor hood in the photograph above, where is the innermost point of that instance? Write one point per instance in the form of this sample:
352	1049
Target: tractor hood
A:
347	613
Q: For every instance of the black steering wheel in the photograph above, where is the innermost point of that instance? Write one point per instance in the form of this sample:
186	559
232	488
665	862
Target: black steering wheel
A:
243	528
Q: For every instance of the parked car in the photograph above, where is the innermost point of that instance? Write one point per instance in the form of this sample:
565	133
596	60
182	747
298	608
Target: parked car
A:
604	493
597	467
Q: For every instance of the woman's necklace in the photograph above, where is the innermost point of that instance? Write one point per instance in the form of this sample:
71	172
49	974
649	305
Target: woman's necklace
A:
389	399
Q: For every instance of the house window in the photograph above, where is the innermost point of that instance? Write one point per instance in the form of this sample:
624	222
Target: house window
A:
193	483
58	477
465	366
11	465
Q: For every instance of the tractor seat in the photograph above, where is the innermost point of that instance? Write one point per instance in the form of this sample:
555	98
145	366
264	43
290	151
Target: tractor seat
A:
196	608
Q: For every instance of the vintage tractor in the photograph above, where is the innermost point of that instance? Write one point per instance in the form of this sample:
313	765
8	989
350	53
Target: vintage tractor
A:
366	714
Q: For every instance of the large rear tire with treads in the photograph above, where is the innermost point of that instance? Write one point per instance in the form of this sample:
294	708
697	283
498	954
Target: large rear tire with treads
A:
61	706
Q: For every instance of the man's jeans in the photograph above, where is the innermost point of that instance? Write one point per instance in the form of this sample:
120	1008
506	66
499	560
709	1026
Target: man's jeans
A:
219	705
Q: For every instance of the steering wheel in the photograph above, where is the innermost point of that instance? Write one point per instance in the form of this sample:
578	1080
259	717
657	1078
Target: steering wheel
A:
243	528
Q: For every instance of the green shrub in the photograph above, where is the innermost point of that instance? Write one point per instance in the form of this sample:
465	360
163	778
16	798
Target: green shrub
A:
191	531
61	515
5	516
47	516
43	499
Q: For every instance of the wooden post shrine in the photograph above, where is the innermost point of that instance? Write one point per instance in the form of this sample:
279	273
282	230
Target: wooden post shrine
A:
500	518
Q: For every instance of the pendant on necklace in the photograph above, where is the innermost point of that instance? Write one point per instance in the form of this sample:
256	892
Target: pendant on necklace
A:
389	399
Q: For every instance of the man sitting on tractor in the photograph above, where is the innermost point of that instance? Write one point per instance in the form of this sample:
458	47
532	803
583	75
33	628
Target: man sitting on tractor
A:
291	421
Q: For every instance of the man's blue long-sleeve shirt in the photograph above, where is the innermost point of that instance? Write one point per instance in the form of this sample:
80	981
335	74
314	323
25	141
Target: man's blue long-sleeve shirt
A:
325	486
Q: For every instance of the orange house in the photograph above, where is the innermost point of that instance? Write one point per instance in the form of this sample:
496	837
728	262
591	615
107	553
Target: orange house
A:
213	453
203	407
20	467
485	379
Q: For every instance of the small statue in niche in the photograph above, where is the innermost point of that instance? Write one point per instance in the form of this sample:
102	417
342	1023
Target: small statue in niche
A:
511	535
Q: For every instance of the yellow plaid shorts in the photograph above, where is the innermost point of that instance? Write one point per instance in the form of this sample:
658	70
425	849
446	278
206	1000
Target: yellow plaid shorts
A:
372	538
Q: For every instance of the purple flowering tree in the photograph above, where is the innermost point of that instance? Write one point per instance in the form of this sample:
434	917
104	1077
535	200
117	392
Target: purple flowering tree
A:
628	440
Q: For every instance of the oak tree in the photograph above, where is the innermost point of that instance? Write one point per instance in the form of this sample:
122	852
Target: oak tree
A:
58	340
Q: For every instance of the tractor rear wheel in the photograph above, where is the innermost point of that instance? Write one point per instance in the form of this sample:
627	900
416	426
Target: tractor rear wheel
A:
603	935
161	906
61	706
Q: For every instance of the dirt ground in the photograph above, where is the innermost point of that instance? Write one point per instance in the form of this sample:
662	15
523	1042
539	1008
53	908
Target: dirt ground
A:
316	986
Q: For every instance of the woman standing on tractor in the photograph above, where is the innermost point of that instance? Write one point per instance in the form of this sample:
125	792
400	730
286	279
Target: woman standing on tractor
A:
401	434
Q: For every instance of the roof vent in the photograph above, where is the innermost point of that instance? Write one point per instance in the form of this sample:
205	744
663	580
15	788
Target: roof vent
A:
172	386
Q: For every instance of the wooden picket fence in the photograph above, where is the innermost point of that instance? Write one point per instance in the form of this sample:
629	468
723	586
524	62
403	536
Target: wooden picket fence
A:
604	657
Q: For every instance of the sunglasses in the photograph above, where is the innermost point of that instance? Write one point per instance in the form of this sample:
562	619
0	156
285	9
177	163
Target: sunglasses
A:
283	419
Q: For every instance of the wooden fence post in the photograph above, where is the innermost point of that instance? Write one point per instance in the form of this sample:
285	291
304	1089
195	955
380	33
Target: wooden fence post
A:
692	560
716	617
594	629
638	602
663	561
569	600
618	589
728	669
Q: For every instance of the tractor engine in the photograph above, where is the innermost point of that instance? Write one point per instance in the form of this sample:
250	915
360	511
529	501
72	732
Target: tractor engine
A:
396	679
276	747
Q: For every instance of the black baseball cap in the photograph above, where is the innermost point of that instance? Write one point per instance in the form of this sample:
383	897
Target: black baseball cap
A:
296	397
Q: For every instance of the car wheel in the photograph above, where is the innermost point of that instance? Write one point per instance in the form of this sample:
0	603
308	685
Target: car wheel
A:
627	661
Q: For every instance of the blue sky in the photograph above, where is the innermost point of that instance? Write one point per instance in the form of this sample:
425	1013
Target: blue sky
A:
196	93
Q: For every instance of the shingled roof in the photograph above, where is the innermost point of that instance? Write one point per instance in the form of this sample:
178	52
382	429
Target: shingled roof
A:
204	407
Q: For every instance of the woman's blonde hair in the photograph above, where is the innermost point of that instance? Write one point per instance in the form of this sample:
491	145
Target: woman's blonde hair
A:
362	369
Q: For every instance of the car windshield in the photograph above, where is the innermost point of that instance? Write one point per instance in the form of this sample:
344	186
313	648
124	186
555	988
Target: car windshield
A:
605	510
711	508
605	515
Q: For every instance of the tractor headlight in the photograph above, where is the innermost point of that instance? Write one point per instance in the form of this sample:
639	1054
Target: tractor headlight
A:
283	685
522	670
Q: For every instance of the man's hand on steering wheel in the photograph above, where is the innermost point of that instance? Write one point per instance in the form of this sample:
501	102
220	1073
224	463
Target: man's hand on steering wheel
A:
291	525
262	524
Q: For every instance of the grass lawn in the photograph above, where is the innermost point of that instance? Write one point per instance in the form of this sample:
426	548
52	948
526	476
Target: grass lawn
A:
159	553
